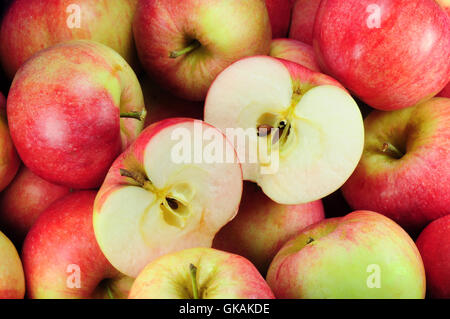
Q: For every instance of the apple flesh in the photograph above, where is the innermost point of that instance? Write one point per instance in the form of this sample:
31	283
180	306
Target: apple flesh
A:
294	51
312	127
24	200
12	281
342	258
200	273
153	203
9	161
183	45
68	111
403	172
405	70
62	259
303	18
262	226
32	25
434	246
279	16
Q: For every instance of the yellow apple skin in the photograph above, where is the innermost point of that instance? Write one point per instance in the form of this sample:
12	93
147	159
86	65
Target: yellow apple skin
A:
262	226
220	275
12	280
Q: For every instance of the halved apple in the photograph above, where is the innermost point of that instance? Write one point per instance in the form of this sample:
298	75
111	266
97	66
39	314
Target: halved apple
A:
303	133
154	202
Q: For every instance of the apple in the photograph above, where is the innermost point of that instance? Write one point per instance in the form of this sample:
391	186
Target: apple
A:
183	45
24	200
445	92
63	111
61	257
434	246
162	105
299	135
200	273
9	161
32	25
403	172
391	54
262	226
445	4
361	255
294	51
12	281
170	190
279	16
303	18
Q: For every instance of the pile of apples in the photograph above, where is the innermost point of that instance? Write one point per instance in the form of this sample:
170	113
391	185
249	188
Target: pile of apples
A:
98	199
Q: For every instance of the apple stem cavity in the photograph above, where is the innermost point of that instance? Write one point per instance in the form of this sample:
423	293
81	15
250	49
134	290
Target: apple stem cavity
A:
191	47
132	115
391	150
193	273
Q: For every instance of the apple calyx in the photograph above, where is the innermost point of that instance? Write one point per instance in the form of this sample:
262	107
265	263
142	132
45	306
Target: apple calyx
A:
391	150
195	44
193	274
133	115
173	201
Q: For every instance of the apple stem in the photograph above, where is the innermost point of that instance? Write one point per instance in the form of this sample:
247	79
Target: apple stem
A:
391	150
132	115
193	272
309	241
191	47
109	292
139	178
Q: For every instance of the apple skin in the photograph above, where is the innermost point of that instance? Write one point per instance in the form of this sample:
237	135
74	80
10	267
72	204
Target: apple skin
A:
12	281
32	25
220	275
335	264
294	51
162	105
227	31
63	235
412	190
445	92
63	111
405	70
280	16
10	162
24	200
445	4
303	18
434	246
262	226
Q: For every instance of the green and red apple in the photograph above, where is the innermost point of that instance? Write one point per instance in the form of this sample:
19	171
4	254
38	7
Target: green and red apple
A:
32	25
184	45
62	259
262	226
294	51
404	170
361	255
200	273
298	134
12	281
72	109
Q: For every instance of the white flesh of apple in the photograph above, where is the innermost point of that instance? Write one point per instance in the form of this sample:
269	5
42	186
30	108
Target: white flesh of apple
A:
325	141
132	228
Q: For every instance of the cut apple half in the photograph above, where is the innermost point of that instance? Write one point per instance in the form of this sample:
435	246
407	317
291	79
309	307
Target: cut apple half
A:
152	204
299	122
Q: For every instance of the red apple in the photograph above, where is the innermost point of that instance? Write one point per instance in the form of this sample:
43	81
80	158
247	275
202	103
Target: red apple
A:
183	45
12	281
303	18
434	246
32	25
9	161
391	54
294	51
262	226
200	273
280	16
360	255
61	257
24	200
404	171
445	92
63	110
